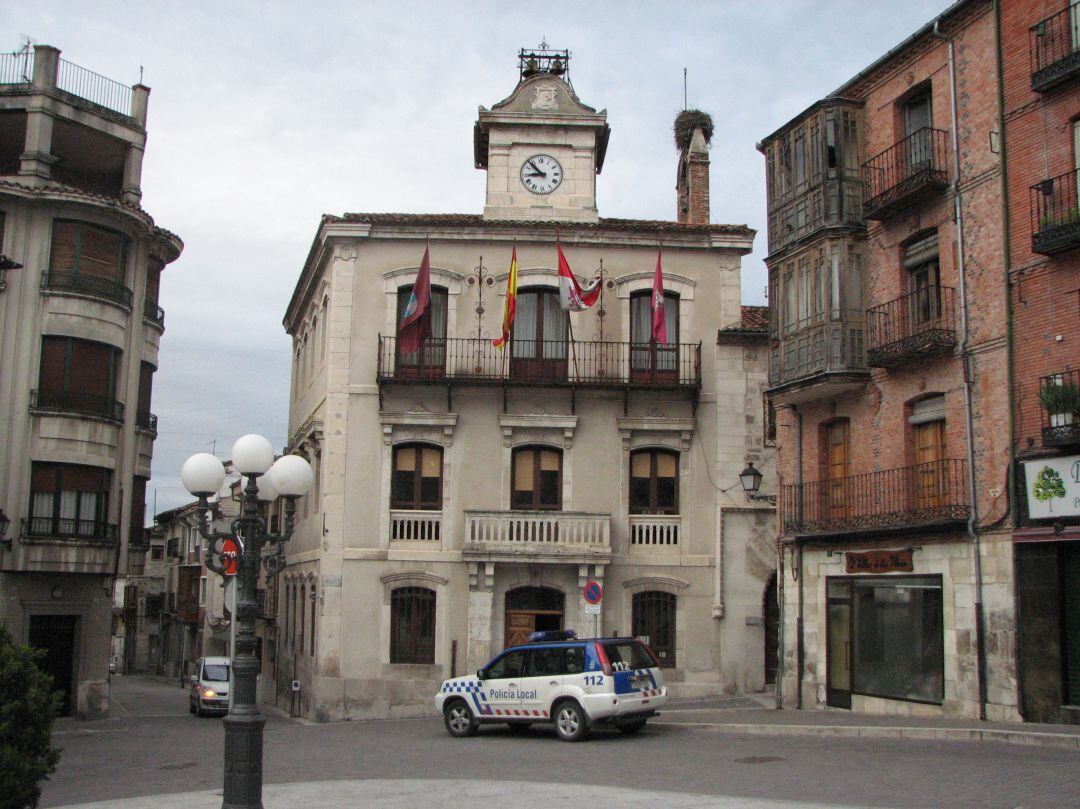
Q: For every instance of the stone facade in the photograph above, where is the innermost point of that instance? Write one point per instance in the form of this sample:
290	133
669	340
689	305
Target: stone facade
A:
483	570
80	324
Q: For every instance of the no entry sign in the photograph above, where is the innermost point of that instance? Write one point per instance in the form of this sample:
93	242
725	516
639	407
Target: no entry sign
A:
229	551
593	592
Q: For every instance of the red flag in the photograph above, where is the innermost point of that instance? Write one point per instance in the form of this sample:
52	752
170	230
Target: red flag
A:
659	318
416	319
572	296
511	302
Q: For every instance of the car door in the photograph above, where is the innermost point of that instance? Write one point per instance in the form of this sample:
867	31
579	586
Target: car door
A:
542	681
502	683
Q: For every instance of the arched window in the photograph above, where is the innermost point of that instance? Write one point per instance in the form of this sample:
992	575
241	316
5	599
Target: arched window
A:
654	482
314	603
653	620
417	477
536	478
412	625
303	621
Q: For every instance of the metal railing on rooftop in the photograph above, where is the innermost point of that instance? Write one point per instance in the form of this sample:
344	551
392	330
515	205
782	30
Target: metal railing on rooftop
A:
94	87
17	67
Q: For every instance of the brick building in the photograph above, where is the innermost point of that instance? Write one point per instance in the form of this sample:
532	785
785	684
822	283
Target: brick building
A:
886	283
1040	71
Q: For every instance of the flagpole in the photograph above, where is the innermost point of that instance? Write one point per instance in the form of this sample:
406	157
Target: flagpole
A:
573	350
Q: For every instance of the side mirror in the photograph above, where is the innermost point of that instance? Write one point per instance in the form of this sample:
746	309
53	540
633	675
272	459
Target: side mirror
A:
480	674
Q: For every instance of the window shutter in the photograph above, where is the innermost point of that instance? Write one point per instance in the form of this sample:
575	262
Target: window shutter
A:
921	251
926	410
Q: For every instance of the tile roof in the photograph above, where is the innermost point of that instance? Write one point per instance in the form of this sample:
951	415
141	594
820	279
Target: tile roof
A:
477	220
752	328
755	318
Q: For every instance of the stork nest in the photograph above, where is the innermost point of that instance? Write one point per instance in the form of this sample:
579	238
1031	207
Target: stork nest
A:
685	124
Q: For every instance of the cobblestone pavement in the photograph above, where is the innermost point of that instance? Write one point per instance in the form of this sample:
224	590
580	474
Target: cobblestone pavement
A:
152	746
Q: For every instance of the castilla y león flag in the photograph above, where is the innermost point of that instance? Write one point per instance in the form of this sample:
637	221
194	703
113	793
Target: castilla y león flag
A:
659	317
572	295
416	319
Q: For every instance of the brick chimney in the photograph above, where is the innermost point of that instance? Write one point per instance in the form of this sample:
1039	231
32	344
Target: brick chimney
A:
692	184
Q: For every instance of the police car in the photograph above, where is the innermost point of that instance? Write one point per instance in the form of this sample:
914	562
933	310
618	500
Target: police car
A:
557	678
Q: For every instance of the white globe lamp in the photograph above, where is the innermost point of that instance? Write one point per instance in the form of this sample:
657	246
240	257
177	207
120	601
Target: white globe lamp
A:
267	492
291	475
202	474
252	454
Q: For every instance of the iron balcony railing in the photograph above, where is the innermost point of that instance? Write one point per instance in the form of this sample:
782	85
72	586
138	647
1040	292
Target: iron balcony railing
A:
93	87
154	313
81	404
17	67
145	420
88	285
1055	214
921	323
1054	49
911	496
548	362
71	528
905	172
1059	399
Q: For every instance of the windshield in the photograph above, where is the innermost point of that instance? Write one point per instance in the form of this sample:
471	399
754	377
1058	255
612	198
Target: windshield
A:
216	673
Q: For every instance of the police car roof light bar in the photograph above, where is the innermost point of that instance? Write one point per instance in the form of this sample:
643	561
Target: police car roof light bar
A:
605	662
550	635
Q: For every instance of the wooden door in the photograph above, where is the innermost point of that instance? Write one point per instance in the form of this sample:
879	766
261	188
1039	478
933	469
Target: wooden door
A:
930	481
837	470
838	630
519	625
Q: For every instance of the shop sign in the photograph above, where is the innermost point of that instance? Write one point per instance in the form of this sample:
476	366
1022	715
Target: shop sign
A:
880	561
1053	487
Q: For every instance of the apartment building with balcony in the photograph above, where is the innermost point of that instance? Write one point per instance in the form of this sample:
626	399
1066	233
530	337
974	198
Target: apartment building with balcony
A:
1040	86
465	494
80	325
888	368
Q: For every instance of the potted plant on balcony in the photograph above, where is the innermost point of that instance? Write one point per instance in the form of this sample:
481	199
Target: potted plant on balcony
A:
1061	399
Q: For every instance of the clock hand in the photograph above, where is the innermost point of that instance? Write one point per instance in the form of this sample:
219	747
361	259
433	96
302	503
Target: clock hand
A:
534	167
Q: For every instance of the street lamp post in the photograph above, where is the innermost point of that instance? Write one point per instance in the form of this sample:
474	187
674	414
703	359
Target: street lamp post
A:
289	477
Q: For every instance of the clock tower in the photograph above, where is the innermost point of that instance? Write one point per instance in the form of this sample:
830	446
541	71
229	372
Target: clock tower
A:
541	147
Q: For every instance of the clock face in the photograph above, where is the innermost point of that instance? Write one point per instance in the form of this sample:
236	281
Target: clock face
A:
541	174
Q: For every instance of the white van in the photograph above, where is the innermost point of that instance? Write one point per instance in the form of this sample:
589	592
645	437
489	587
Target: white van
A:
210	686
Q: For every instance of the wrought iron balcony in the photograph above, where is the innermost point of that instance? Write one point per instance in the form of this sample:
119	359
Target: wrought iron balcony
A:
145	420
71	529
1055	214
905	173
918	496
78	404
408	525
570	535
1054	49
93	286
154	314
471	360
917	325
1059	398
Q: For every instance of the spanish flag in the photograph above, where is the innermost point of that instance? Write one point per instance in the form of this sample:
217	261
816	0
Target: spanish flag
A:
511	302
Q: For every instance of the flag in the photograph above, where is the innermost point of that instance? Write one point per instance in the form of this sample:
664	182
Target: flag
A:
415	324
510	308
659	317
573	296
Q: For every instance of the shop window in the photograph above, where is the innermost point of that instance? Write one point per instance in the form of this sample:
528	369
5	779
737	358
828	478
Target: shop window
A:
412	625
417	478
653	621
536	479
654	482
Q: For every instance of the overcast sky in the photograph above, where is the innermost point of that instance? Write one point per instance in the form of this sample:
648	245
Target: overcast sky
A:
263	116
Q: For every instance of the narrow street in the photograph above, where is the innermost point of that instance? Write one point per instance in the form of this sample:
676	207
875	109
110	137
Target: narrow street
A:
151	744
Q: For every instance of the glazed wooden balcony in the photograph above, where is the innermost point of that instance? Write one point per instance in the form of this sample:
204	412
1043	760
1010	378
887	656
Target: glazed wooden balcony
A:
471	360
919	496
570	536
89	285
906	173
1055	214
1054	49
74	403
915	326
1060	423
821	360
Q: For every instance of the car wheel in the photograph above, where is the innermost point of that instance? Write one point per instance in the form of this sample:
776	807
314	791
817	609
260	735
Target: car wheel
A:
630	728
459	720
570	722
